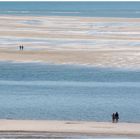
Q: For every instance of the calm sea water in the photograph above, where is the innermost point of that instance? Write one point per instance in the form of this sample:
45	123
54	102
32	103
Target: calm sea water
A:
90	9
68	92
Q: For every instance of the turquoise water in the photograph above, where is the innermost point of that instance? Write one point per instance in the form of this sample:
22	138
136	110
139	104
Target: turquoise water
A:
68	92
90	9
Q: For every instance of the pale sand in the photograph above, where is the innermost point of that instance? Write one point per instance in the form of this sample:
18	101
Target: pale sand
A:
107	42
70	127
101	58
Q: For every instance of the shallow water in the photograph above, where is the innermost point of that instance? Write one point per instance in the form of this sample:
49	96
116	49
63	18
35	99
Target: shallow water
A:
68	92
88	9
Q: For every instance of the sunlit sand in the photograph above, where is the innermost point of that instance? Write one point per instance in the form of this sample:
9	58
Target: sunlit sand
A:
70	127
111	42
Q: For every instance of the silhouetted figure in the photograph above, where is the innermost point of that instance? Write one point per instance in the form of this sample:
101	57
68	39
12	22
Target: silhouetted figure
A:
22	47
113	117
19	47
117	116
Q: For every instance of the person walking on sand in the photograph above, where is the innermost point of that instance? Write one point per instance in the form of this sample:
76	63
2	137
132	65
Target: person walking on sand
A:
113	117
20	47
117	116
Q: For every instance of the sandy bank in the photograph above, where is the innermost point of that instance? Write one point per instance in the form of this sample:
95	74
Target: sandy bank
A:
73	127
109	42
101	58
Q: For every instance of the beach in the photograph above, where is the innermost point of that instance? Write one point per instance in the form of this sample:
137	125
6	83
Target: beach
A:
64	129
79	64
103	42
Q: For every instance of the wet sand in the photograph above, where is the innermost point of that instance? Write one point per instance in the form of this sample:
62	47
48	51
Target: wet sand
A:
101	58
103	42
111	42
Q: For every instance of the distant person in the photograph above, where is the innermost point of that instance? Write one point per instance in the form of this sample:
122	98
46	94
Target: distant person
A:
22	47
113	117
117	116
19	47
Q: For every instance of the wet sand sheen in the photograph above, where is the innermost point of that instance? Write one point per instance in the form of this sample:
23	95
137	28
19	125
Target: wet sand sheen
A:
109	58
111	42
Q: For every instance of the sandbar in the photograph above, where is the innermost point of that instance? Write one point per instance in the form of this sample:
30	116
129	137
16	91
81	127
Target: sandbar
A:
96	41
61	129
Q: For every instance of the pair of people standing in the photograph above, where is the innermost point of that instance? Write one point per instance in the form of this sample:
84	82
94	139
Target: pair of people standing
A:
21	47
115	117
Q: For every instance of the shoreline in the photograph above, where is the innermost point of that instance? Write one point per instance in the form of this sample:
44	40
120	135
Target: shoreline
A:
72	64
63	129
71	16
102	59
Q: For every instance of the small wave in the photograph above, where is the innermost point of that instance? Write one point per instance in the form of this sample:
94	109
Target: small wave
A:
137	12
71	83
14	11
62	12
